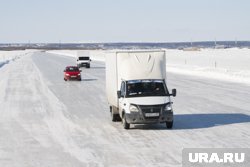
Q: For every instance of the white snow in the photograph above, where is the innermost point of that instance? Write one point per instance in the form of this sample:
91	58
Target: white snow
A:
98	55
46	121
8	56
222	64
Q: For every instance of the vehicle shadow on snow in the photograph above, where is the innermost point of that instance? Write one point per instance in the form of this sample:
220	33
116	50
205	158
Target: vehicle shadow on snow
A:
83	80
199	121
149	127
97	67
3	63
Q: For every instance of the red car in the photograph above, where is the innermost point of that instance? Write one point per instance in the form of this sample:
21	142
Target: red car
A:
72	73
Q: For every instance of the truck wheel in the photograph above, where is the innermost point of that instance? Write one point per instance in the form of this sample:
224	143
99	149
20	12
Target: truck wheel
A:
113	116
118	118
169	124
88	66
124	122
65	79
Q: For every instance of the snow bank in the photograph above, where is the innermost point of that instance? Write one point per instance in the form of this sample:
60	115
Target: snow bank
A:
231	59
98	55
222	64
8	56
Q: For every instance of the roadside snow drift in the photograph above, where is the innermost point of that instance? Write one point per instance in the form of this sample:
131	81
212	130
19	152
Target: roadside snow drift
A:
8	56
221	64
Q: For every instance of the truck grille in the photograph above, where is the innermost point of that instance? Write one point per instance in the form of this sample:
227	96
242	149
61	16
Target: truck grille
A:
151	109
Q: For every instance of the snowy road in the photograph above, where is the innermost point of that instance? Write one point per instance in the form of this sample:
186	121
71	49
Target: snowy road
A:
47	122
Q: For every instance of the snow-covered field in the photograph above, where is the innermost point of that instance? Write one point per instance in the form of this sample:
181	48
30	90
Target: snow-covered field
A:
221	64
8	56
47	122
98	55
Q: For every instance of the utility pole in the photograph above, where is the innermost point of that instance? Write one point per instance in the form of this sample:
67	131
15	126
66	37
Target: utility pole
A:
59	44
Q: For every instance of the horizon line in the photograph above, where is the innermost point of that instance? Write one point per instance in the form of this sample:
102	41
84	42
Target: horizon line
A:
122	42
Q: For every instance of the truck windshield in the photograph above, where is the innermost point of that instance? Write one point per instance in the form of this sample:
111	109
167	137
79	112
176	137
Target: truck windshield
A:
83	58
139	88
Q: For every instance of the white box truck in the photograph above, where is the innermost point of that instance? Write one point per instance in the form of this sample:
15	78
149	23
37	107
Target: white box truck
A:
83	59
136	88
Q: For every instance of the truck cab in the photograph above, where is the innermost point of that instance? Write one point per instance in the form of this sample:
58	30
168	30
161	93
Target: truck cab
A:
83	61
145	101
83	58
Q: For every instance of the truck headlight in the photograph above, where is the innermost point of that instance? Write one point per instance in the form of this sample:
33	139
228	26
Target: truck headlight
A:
168	107
133	108
79	74
67	74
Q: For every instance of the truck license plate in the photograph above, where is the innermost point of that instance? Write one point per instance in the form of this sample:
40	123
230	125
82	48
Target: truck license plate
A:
152	114
73	76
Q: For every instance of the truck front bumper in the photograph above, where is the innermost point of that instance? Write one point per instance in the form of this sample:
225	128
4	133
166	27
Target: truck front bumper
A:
83	64
139	118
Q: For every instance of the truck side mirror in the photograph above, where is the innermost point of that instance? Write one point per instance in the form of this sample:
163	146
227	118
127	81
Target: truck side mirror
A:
119	94
80	70
64	70
174	92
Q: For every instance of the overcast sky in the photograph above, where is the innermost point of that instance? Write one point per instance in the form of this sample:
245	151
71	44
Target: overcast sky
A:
123	20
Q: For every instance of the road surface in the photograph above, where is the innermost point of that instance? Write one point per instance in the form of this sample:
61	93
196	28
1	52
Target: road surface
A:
47	122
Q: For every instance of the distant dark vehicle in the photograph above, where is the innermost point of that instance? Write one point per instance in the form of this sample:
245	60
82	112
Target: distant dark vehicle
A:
72	73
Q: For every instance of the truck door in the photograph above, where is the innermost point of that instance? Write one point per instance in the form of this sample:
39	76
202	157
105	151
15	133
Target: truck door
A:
121	100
